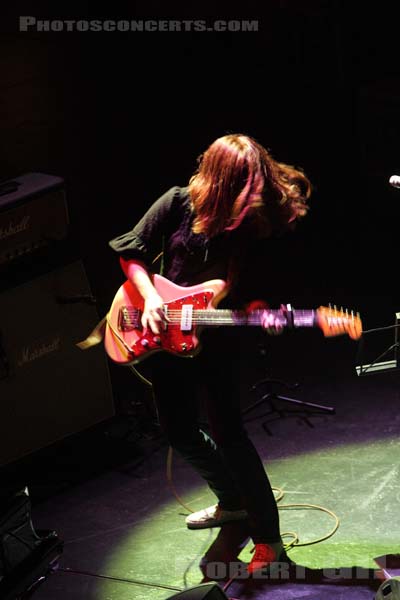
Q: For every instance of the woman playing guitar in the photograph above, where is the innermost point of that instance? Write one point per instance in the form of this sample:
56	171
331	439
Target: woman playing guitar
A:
206	230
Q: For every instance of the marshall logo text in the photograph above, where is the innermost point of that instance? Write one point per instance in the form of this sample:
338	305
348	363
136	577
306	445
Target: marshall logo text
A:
14	228
31	353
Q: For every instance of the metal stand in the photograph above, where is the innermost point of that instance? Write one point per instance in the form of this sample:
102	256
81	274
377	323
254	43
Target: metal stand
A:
378	364
308	408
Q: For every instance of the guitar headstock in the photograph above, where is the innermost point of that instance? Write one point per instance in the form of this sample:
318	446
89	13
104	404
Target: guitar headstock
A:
333	322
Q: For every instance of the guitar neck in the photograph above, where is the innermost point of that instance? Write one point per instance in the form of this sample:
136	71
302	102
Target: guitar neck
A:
293	318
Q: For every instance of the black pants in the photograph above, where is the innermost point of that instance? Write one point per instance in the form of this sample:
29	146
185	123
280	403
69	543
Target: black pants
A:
228	461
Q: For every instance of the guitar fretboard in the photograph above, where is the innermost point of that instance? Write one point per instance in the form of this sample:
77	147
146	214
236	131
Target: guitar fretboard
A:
295	318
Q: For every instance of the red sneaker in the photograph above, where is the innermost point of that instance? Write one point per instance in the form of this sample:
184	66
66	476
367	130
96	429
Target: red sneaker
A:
263	556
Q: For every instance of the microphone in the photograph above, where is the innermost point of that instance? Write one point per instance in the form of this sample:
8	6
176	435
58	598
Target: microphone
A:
395	181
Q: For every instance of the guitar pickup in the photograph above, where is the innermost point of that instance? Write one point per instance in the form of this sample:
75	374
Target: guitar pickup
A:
165	323
129	319
186	317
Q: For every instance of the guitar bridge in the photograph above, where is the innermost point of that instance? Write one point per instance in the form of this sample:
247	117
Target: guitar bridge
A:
129	319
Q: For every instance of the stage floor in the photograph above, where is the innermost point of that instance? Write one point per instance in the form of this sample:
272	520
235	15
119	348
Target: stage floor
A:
124	530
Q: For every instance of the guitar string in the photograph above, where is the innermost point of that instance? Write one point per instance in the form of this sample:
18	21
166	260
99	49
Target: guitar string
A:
214	315
229	314
244	320
205	321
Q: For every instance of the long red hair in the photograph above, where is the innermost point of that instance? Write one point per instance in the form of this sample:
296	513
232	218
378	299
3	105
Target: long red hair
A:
237	178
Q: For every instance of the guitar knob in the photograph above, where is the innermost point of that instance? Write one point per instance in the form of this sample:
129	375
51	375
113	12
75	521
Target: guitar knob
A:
184	346
157	339
144	342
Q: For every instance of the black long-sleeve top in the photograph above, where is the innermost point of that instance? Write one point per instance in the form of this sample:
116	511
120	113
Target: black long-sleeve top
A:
188	258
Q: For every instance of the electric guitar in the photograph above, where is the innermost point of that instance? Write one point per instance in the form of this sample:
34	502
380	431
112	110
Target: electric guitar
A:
189	309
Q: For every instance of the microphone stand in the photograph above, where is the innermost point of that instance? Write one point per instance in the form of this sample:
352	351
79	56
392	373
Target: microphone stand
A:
373	366
272	397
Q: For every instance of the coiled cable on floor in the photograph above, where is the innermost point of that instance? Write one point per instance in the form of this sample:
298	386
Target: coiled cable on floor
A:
280	494
296	541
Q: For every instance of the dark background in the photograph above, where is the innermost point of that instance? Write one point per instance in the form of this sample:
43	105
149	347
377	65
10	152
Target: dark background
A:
123	116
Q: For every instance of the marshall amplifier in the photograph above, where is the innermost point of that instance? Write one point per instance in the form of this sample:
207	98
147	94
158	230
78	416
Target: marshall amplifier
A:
49	388
33	213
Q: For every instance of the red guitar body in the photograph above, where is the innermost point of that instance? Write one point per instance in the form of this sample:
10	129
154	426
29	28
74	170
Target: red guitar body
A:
126	343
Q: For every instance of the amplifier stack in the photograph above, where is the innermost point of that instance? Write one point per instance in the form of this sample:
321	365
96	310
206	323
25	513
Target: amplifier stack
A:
49	389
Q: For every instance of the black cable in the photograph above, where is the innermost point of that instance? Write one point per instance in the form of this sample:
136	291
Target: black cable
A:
382	328
22	541
123	580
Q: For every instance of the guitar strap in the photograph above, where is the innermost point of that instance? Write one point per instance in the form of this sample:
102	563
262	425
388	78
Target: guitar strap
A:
97	335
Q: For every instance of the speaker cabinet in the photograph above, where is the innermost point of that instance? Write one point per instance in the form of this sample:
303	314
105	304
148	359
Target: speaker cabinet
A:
49	388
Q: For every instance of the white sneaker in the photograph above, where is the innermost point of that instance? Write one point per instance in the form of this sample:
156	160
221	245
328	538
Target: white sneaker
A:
213	516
